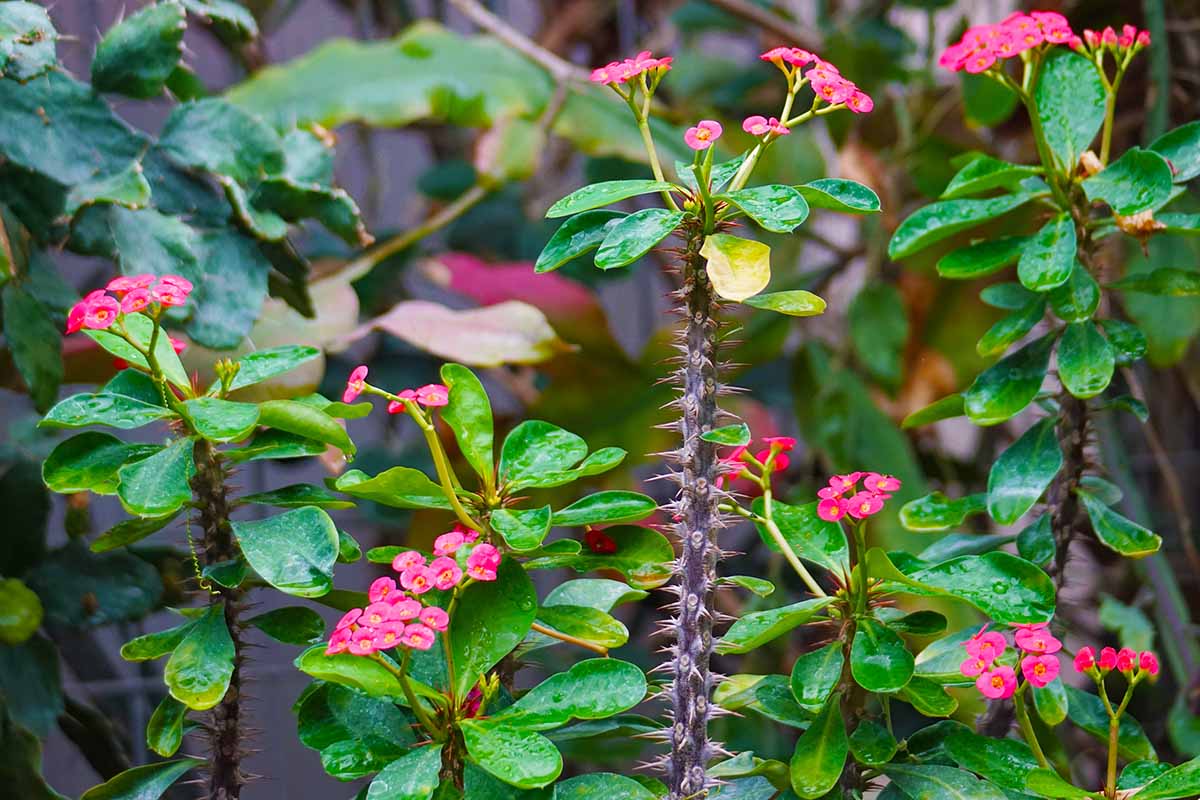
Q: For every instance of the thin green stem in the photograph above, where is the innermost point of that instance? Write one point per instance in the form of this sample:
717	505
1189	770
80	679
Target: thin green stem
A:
860	563
440	462
743	174
1114	739
777	537
1022	714
414	702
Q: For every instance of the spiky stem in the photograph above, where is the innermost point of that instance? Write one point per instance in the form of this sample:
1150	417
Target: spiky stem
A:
1067	517
699	519
225	729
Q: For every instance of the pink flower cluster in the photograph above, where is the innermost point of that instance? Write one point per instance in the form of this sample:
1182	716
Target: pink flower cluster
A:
841	497
130	294
616	72
1039	664
827	81
761	126
1110	39
737	459
982	46
396	615
431	394
1124	660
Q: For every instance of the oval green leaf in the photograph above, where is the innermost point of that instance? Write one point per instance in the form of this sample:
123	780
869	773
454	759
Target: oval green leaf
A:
1023	471
602	194
633	236
294	551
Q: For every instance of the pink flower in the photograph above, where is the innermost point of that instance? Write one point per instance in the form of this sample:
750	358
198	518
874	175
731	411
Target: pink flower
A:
860	102
470	535
435	618
388	635
1109	36
356	383
472	703
135	300
400	406
834	89
101	313
484	554
432	394
703	134
954	57
1040	670
973	666
1037	641
127	283
375	614
864	504
418	636
756	125
339	642
621	71
1030	626
179	282
794	56
404	609
418	579
1091	37
881	484
831	509
845	483
1148	662
829	493
178	345
407	559
979	61
78	313
988	645
362	642
1063	35
998	684
1143	38
348	619
446	572
610	73
780	463
448	543
168	294
780	443
1049	19
380	589
481	572
1126	659
1085	659
1108	659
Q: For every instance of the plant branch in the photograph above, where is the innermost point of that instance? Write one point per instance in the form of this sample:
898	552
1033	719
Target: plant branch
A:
559	68
562	637
768	21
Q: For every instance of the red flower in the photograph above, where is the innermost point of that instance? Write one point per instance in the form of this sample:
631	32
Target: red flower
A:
599	542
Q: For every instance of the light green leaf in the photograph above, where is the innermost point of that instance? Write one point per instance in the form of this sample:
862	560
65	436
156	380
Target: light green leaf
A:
775	207
222	420
633	236
1137	181
164	731
1011	329
1069	101
143	783
840	194
294	551
936	512
160	484
262	365
519	757
469	415
1117	533
815	675
1004	389
1085	360
928	697
201	665
399	487
606	507
602	194
948	407
1047	261
522	529
535	447
879	659
985	173
579	235
1182	148
413	776
759	627
810	537
794	303
304	420
1165	282
1178	782
581	622
729	435
738	268
591	689
362	674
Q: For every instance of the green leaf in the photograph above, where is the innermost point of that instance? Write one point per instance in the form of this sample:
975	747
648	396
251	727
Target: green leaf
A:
1010	296
216	136
1005	762
1117	533
399	487
953	545
879	330
579	235
27	40
20	612
774	207
535	447
469	415
816	674
201	665
591	689
141	329
294	551
602	194
840	194
1085	360
601	786
143	783
262	365
810	537
413	776
1069	101
362	674
1048	783
642	556
1177	782
937	221
222	420
150	646
935	782
160	484
936	512
1182	148
879	659
304	420
1137	774
759	627
982	258
356	735
928	697
1086	711
820	753
492	618
1023	472
1127	340
291	625
1165	282
137	55
872	744
127	188
917	623
729	435
268	444
1047	261
1078	298
794	303
986	173
1011	329
1035	543
598	593
760	587
522	529
88	462
738	268
633	236
297	495
164	731
1004	389
519	757
589	624
607	507
1050	702
113	410
1133	628
947	408
33	340
227	16
1137	181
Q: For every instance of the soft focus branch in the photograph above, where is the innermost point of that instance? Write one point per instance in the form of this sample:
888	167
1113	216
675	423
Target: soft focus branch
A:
765	19
559	68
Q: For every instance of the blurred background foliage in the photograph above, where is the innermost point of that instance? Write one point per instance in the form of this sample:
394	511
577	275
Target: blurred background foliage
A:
454	124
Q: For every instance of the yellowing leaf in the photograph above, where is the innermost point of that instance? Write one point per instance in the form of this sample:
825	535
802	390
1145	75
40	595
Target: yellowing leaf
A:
738	268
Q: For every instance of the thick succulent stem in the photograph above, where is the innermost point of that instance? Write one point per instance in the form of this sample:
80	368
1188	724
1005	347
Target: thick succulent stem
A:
698	521
225	727
1067	517
452	761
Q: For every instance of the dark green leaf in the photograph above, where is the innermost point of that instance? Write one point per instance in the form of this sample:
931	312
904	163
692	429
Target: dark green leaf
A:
291	625
1137	181
1138	773
642	556
27	41
591	689
227	16
1010	296
411	777
294	551
872	744
928	697
1078	298
1085	360
262	365
1182	148
222	420
297	495
1165	282
579	235
603	194
1178	782
937	221
160	484
492	618
89	462
201	665
229	296
216	136
917	623
934	782
522	529
810	537
1023	472
1117	533
936	512
840	194
150	646
986	173
519	757
879	330
794	303
304	420
759	627
399	487
1050	702
606	507
815	675
820	753
947	408
1069	99
114	410
469	415
164	731
143	783
127	188
1011	329
601	786
879	659
31	683
1035	542
356	735
1048	783
633	236
1004	389
1005	762
535	447
33	340
982	258
774	207
1086	710
1047	261
137	55
1127	340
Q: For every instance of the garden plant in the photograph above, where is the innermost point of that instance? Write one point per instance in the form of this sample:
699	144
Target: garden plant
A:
697	601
